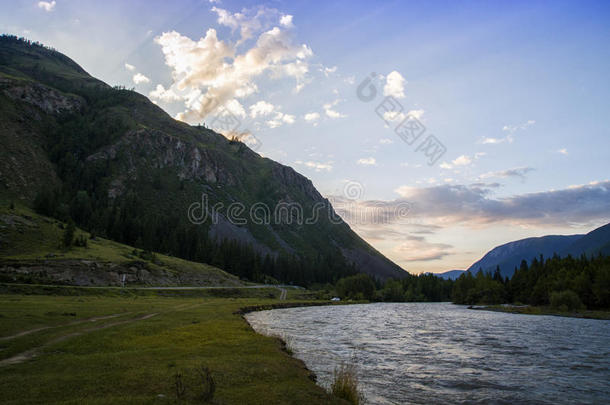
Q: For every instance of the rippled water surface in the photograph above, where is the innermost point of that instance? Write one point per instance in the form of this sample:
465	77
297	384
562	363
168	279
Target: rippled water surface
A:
442	353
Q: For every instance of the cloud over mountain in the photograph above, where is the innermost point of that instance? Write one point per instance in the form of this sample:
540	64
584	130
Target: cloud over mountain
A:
209	73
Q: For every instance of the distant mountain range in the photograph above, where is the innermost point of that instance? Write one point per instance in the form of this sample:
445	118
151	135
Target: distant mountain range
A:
509	255
450	275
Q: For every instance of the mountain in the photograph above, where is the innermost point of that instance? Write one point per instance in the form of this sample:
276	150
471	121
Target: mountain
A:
510	255
595	242
450	275
120	167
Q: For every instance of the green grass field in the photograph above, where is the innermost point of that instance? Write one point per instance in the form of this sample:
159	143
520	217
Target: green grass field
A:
128	350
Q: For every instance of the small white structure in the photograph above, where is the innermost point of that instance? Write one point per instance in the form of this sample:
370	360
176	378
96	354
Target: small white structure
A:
335	299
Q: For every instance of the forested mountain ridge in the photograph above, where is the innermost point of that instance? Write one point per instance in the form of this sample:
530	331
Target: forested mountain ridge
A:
509	255
120	167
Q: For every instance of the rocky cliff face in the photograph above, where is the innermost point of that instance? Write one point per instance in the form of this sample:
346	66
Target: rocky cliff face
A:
45	98
160	150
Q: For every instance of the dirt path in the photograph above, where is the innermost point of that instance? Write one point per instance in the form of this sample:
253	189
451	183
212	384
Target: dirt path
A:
29	354
283	293
94	319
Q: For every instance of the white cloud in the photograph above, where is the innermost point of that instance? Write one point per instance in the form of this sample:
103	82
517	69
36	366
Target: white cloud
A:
160	93
217	72
261	108
397	116
234	107
395	85
418	114
496	140
312	117
140	78
563	151
330	112
279	119
462	161
369	161
130	67
286	20
510	130
446	166
317	166
386	141
47	5
393	116
329	70
288	119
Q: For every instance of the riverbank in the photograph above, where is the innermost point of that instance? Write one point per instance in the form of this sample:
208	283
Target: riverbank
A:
535	310
112	349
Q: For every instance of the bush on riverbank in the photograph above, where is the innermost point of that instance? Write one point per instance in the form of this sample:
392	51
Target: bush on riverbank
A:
565	301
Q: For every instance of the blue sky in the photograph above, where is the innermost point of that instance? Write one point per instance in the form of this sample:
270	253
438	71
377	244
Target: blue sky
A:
517	92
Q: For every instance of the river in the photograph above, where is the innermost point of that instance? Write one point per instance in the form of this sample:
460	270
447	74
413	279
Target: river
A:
428	353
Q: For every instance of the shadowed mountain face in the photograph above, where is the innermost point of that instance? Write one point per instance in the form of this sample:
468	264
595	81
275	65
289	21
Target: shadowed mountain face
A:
510	255
118	165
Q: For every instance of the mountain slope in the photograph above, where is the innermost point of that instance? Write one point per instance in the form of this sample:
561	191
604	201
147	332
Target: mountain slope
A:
595	242
510	255
121	167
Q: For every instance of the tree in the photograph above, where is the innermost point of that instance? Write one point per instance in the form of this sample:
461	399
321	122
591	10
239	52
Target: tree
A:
68	237
360	286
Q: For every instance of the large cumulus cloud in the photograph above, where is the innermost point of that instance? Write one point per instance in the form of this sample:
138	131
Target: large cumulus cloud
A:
209	72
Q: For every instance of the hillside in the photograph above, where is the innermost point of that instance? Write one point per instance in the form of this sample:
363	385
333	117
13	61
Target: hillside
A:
120	167
31	252
510	255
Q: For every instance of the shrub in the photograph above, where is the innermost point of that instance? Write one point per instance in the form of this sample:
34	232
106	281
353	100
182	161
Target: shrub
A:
345	384
566	300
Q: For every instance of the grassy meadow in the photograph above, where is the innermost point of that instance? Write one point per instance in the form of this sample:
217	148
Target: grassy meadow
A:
99	349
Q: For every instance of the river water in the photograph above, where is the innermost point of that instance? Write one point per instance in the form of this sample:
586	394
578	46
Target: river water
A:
428	353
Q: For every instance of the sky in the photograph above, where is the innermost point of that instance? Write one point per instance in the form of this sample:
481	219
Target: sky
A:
438	129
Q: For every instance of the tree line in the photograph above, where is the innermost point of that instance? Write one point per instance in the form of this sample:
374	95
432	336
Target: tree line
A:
566	283
573	283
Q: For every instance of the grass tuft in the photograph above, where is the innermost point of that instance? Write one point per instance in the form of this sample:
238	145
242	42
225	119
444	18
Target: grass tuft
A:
345	384
196	384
